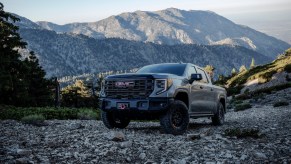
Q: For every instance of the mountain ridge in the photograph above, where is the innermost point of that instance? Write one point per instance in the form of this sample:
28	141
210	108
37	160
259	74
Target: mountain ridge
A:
73	54
174	26
67	54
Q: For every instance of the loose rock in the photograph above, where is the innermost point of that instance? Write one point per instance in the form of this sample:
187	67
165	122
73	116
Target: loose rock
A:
116	136
89	141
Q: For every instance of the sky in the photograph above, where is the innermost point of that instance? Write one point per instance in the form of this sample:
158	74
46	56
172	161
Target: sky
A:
269	16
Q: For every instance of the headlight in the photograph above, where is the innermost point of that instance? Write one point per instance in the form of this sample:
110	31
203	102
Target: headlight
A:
163	85
102	87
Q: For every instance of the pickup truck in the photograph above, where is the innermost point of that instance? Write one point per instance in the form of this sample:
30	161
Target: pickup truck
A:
170	92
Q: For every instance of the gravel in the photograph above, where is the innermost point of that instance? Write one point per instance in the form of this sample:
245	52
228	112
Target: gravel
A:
88	141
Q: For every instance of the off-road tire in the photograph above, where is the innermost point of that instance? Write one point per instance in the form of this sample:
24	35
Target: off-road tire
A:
218	118
110	120
176	120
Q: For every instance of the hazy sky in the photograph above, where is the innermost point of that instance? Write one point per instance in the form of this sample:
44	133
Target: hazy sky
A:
67	11
254	13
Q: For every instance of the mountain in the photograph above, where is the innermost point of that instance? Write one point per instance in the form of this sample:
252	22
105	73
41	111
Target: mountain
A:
173	26
25	23
69	54
73	54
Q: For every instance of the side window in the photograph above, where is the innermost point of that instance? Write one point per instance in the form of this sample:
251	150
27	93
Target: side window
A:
204	77
191	70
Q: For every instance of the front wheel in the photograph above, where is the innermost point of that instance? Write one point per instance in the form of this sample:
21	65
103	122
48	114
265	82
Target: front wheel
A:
176	119
111	120
218	118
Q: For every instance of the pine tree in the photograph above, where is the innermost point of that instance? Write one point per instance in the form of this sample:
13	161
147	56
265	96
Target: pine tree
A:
221	80
9	63
221	77
252	63
233	72
242	68
210	70
19	79
78	95
39	88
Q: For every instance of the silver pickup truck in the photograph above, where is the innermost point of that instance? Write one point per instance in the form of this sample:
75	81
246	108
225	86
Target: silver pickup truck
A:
171	92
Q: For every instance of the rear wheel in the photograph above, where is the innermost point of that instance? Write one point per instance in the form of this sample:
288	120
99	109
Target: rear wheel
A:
218	118
176	119
111	120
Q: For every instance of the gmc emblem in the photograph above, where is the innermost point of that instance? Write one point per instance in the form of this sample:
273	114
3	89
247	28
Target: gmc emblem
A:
124	84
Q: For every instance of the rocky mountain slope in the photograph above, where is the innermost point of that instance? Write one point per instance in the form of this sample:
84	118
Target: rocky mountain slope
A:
174	26
76	141
72	54
276	73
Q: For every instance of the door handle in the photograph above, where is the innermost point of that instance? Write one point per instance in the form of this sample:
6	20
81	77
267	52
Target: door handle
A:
201	87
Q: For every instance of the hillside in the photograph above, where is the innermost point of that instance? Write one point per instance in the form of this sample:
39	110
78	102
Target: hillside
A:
71	54
174	26
275	73
67	54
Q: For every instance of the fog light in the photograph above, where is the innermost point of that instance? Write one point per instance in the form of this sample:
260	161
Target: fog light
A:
143	104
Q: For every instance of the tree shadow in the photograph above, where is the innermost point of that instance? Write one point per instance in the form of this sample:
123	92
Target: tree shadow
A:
199	125
157	127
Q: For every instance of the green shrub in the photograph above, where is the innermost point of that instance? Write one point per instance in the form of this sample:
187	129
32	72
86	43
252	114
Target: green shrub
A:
280	103
288	68
36	119
268	75
244	133
247	91
238	102
244	96
87	115
234	102
258	96
241	107
49	113
233	90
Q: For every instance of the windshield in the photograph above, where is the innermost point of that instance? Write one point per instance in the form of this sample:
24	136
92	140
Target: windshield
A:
176	69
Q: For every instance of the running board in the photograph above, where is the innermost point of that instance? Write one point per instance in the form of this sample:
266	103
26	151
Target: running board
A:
200	115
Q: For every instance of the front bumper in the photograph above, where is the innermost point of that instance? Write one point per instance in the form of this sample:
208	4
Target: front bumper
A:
149	104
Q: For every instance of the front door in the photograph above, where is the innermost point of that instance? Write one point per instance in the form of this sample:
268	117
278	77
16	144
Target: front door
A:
202	95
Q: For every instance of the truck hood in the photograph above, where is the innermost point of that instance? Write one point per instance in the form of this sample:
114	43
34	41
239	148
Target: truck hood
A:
142	76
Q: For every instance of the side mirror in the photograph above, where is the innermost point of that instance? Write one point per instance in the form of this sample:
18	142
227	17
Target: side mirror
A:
195	77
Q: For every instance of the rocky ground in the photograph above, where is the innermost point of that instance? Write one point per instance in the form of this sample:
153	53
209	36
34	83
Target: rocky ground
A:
77	141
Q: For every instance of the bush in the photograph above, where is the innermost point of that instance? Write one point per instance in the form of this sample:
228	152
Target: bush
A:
87	115
288	68
267	76
241	107
236	102
16	113
244	96
233	102
36	119
280	103
247	91
237	132
233	90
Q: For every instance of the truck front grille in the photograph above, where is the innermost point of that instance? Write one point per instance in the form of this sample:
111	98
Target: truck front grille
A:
137	89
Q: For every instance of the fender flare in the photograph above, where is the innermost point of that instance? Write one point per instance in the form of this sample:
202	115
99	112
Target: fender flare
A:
219	98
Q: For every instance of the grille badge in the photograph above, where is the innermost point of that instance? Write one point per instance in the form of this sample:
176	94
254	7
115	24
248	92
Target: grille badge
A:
124	84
